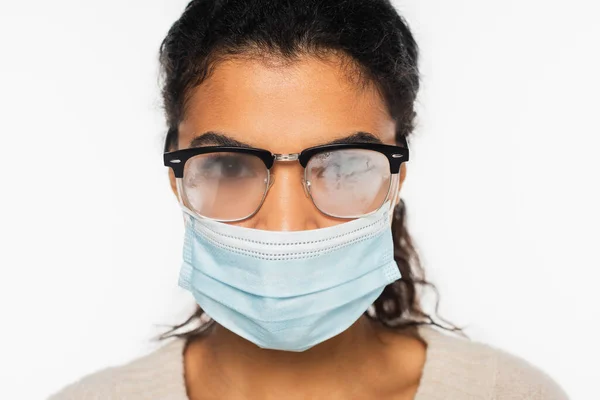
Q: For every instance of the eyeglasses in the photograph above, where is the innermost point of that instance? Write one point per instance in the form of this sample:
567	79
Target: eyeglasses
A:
227	184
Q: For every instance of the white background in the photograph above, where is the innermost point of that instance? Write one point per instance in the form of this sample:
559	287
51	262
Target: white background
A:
502	187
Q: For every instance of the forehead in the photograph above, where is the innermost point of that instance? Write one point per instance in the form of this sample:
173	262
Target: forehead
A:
284	107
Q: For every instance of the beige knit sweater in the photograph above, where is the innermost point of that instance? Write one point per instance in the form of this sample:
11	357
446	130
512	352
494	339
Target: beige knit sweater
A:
455	369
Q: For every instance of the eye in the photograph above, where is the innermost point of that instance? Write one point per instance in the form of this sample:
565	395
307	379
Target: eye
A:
222	167
227	166
342	166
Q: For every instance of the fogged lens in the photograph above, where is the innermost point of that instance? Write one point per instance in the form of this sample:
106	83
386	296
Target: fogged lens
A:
349	182
224	186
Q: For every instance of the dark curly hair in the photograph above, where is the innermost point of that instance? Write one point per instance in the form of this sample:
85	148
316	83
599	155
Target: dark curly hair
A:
378	49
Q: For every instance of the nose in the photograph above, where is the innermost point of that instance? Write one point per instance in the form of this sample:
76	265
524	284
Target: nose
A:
286	206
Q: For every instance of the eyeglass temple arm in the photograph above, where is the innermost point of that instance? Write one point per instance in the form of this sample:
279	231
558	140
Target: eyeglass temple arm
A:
404	141
168	138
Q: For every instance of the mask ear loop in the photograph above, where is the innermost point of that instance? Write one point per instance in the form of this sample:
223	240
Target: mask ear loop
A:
187	213
395	193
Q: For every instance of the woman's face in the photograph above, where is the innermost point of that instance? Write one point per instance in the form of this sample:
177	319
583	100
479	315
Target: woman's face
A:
284	109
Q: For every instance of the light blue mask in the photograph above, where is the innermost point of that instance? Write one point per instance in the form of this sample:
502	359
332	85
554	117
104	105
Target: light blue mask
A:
288	290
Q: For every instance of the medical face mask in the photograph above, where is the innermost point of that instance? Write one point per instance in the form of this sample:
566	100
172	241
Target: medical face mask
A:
288	290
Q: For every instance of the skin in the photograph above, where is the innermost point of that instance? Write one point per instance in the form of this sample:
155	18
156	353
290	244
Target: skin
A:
284	109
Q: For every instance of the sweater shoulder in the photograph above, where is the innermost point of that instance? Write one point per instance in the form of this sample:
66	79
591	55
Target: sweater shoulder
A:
98	385
521	379
159	374
478	370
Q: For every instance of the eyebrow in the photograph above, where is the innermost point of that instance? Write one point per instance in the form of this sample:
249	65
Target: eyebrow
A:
220	139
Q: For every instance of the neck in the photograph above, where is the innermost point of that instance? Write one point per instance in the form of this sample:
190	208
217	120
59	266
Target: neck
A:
250	369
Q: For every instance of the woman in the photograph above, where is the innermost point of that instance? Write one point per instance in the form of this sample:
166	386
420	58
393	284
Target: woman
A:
287	149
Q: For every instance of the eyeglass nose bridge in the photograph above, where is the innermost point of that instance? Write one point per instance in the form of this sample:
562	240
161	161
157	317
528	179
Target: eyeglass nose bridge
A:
289	157
286	157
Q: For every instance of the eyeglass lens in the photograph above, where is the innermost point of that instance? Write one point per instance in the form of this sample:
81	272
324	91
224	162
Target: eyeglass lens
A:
224	186
348	183
342	183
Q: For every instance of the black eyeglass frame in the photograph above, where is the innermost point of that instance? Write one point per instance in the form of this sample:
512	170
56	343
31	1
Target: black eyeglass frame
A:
396	155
